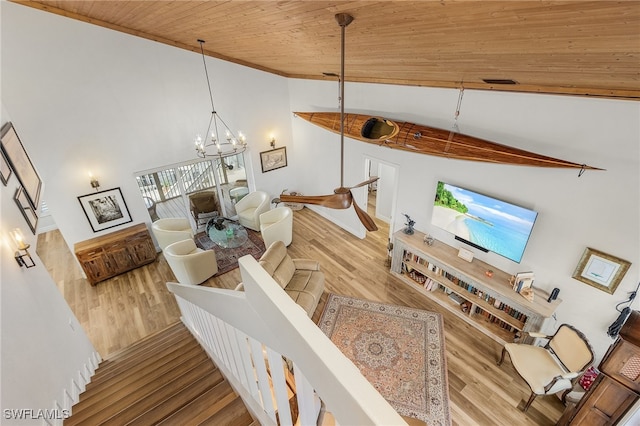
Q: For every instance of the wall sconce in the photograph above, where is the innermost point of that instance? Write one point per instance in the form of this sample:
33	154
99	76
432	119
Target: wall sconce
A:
22	256
94	182
273	142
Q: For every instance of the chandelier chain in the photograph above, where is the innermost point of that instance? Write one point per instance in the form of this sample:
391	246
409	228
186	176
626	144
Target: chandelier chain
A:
233	145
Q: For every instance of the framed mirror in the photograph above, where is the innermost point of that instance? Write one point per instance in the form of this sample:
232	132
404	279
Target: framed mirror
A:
27	210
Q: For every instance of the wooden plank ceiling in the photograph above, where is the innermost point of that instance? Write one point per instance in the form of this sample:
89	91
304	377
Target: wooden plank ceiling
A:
573	47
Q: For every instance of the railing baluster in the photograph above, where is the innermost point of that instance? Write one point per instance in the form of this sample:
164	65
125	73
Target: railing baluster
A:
308	401
257	357
235	352
219	325
280	388
247	366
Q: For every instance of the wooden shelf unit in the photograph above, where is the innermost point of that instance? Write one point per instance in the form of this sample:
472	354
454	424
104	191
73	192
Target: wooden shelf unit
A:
492	306
112	254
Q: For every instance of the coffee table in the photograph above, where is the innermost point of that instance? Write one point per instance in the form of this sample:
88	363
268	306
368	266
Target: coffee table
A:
226	233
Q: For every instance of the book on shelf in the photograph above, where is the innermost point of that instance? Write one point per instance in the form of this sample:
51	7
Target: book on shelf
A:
428	284
523	280
457	299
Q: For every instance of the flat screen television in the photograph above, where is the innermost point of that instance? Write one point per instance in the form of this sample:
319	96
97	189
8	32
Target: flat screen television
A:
483	222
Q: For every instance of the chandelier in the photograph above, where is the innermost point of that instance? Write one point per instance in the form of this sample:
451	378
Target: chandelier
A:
221	145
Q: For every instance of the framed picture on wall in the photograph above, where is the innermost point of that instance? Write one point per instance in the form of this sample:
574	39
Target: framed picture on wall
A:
601	270
20	164
273	159
5	169
105	209
27	210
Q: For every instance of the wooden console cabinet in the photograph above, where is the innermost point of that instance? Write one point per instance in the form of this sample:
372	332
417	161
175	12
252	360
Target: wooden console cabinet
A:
112	254
488	303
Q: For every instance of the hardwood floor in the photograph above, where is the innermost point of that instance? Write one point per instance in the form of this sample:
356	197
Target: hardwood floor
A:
122	310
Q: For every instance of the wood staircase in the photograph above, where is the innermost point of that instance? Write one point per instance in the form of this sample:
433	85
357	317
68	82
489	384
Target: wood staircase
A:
164	379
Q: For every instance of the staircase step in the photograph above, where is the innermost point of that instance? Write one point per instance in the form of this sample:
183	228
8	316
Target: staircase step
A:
170	397
152	339
144	349
144	367
167	408
121	395
233	414
205	407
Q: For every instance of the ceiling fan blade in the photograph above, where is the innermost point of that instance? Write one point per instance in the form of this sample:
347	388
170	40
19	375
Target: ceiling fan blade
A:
332	201
366	220
366	182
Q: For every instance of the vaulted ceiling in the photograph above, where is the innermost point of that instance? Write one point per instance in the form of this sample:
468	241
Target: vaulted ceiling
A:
587	48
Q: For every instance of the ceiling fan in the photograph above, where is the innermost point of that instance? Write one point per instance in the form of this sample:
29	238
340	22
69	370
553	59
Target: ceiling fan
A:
342	198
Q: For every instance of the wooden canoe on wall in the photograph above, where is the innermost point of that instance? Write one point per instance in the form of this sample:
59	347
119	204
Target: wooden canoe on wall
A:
431	141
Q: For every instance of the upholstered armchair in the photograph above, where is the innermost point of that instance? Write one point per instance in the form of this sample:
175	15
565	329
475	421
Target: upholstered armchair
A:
277	225
190	264
171	230
203	203
251	207
553	367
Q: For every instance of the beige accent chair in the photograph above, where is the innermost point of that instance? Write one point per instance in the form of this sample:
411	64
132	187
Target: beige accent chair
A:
554	367
203	206
171	230
277	225
301	279
250	207
190	264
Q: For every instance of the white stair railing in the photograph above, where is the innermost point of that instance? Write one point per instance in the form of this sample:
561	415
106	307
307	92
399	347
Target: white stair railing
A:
253	336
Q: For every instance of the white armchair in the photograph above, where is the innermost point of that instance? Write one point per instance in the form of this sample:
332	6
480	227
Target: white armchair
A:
190	264
171	230
277	225
250	207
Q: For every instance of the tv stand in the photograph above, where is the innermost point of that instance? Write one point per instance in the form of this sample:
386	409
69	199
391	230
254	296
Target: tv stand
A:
488	303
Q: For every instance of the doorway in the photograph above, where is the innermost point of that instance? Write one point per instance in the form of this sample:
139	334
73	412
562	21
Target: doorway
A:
383	192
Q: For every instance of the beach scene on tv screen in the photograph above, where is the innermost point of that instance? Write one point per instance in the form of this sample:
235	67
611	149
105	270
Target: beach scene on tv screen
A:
498	226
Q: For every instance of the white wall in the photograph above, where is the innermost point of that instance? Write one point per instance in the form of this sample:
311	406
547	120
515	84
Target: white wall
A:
42	347
86	98
599	210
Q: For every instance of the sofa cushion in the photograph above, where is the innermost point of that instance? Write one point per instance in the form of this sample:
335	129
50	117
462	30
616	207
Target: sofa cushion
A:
278	263
305	288
285	272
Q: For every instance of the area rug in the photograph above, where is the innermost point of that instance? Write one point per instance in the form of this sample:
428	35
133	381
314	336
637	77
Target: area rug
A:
228	257
400	350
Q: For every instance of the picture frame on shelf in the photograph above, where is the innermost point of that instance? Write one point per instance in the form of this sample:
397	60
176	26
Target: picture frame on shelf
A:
27	210
105	209
5	169
20	163
273	159
601	270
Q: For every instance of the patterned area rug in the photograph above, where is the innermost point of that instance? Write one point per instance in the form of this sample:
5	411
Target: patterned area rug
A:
400	350
228	258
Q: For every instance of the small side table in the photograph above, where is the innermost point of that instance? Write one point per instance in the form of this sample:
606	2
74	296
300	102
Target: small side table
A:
292	206
238	193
